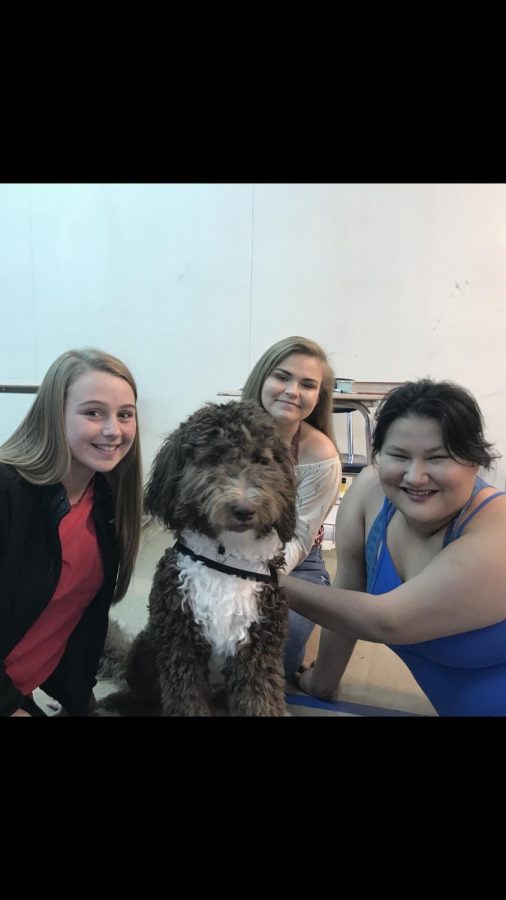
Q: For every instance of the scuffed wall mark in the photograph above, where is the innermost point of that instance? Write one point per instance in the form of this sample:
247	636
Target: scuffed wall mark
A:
180	277
461	290
490	396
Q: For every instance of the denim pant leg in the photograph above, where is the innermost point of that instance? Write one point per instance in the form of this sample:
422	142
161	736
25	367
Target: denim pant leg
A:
299	628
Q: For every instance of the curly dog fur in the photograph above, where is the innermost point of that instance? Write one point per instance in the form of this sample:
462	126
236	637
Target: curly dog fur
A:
224	483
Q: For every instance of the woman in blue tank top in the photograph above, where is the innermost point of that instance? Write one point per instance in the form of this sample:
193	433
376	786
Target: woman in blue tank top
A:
421	562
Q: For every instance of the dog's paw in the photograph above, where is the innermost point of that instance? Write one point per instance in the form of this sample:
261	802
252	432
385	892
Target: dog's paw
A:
110	705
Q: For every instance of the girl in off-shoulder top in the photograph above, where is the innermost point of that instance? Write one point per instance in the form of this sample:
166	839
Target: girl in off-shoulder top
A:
293	381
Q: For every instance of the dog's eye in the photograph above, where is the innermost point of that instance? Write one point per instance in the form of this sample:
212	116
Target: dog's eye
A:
260	458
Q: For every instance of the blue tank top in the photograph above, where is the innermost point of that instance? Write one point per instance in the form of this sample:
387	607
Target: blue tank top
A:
462	675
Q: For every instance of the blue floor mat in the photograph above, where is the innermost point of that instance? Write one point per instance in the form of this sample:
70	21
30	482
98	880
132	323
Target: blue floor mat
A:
343	706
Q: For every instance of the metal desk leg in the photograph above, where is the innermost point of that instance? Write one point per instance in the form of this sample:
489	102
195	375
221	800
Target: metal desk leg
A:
349	430
367	422
346	404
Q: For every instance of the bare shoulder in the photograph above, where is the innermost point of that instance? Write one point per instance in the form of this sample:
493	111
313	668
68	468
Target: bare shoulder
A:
350	531
490	520
366	488
361	503
358	499
479	558
314	446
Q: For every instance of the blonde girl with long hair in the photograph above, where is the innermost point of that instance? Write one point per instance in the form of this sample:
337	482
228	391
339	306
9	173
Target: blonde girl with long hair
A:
293	381
70	518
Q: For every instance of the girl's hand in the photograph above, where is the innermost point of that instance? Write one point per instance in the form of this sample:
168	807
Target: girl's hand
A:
21	712
305	682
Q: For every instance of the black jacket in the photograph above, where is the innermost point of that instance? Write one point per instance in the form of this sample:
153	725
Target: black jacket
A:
30	565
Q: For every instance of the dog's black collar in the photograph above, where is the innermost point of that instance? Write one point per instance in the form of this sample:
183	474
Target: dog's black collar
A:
229	570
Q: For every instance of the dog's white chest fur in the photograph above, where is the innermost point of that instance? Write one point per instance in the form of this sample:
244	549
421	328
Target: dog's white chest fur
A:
225	605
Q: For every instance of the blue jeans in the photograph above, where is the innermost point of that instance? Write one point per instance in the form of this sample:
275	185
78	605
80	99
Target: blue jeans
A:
312	568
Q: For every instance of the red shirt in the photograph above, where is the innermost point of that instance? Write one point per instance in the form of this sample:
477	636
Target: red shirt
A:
38	653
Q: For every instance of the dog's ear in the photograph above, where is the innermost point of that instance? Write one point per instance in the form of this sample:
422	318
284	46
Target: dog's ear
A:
287	521
285	526
164	476
199	431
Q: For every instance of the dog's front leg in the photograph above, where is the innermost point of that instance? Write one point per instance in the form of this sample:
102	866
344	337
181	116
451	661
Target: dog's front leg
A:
180	651
255	676
182	657
184	686
255	686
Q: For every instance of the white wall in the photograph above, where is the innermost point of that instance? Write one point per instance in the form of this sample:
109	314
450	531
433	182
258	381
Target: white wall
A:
190	283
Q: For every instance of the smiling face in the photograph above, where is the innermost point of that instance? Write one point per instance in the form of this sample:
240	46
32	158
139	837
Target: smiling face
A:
291	391
100	423
419	477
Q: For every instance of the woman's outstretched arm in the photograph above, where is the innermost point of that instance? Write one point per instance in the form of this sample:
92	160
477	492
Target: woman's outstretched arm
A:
336	647
461	589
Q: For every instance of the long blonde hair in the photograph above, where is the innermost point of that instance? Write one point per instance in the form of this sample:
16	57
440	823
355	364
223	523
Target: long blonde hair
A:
38	449
321	417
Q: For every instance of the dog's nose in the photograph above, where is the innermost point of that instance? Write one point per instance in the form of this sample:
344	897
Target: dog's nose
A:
242	513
